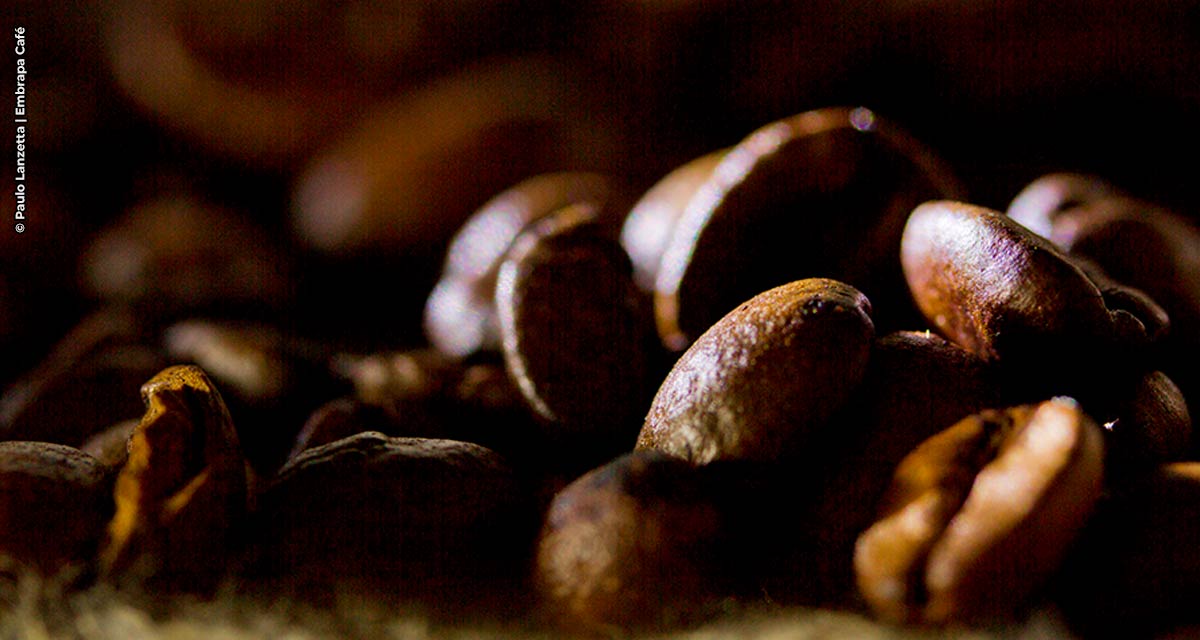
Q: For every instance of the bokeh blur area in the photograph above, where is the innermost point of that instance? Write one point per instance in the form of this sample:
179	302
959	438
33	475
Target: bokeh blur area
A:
306	162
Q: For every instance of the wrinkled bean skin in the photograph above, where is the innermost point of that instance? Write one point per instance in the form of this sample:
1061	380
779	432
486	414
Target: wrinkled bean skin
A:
182	490
634	543
762	381
981	514
844	178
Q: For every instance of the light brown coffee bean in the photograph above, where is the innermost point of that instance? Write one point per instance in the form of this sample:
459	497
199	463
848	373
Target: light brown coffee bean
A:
578	339
764	379
54	501
634	543
981	514
846	178
412	517
460	315
182	490
649	224
995	288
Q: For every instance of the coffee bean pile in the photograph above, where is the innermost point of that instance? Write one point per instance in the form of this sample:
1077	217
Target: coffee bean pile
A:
526	345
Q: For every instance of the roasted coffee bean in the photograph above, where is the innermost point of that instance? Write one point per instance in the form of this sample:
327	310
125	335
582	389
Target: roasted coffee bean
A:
845	177
647	228
634	543
460	315
54	501
1147	423
381	187
182	490
1038	206
917	384
1146	246
980	515
85	384
178	254
271	380
111	447
578	339
995	288
250	123
411	517
1137	570
764	379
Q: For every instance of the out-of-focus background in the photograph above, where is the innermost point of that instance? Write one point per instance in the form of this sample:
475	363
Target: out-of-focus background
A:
321	153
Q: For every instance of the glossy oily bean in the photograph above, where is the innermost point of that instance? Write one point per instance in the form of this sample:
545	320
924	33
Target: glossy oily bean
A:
577	337
1147	423
763	380
182	490
820	194
54	501
981	514
648	226
382	186
414	517
634	543
460	316
995	288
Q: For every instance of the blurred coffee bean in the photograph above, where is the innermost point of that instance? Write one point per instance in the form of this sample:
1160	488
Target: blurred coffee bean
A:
383	185
424	394
182	491
578	338
1038	206
460	315
1137	571
411	518
634	543
980	515
179	254
650	222
272	380
54	501
186	95
88	382
1149	247
1147	424
995	288
761	383
110	447
361	47
844	178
